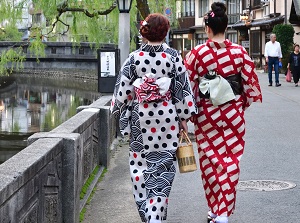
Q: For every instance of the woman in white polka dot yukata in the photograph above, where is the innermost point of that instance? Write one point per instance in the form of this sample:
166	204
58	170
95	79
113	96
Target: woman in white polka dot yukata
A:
153	99
224	83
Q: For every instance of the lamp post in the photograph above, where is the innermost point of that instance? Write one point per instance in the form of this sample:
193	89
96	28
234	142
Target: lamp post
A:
124	28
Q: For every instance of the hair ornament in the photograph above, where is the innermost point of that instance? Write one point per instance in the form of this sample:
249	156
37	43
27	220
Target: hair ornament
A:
212	14
144	22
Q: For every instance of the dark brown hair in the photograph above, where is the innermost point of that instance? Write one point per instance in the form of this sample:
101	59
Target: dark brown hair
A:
155	27
217	18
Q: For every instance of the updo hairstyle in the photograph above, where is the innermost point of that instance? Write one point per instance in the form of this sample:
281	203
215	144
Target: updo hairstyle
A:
155	27
217	18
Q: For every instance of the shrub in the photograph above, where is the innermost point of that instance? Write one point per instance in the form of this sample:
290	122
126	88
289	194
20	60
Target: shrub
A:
285	36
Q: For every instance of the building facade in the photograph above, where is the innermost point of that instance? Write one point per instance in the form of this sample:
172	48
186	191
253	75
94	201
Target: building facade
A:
183	38
250	23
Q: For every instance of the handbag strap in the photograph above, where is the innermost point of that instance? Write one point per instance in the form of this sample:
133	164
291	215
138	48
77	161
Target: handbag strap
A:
186	137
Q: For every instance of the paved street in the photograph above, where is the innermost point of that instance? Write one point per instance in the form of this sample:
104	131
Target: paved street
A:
272	152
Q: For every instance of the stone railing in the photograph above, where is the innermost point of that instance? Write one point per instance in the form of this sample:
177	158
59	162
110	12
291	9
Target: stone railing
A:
42	183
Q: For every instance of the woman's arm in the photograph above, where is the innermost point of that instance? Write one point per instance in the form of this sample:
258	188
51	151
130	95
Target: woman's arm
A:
184	126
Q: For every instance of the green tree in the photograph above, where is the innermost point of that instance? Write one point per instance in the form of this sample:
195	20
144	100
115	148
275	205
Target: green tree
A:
285	36
74	20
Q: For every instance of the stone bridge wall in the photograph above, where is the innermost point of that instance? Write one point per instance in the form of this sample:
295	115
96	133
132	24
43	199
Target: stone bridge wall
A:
42	183
62	59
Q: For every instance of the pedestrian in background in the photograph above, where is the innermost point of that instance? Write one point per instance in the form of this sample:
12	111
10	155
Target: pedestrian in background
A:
273	56
224	83
154	99
294	64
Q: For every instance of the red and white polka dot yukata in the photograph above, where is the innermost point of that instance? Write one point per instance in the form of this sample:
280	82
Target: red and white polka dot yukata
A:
220	129
152	94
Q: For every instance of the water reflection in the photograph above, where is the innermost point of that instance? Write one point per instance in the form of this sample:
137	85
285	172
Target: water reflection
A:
29	105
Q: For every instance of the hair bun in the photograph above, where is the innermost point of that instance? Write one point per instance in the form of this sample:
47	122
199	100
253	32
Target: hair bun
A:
218	8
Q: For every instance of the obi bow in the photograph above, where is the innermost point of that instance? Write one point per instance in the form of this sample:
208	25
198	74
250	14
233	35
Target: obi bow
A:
218	88
149	89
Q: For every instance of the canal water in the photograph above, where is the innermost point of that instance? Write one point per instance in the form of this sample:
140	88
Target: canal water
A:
31	104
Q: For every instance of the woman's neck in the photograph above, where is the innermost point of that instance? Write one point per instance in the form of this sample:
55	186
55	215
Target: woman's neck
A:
154	43
218	38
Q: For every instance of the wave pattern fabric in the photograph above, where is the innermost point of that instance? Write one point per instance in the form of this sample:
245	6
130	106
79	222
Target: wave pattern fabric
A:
220	129
153	126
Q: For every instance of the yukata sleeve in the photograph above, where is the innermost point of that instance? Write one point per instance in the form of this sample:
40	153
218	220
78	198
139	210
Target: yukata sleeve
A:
191	64
250	83
181	90
121	105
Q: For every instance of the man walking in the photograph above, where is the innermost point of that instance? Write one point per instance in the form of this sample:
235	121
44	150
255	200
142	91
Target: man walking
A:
273	56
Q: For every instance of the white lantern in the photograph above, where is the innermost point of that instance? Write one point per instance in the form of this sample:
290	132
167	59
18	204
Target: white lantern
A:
124	5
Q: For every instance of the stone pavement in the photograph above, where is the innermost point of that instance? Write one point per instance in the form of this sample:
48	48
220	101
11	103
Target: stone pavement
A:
271	153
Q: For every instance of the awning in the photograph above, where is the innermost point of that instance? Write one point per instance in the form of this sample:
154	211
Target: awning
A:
181	31
259	22
197	27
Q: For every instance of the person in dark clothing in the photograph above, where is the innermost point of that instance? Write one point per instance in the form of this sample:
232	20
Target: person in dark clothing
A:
294	64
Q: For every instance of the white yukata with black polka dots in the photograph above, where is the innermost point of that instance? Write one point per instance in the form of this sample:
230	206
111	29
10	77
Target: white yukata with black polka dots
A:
153	126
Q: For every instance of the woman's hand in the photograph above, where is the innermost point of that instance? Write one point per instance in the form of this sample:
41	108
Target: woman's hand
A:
183	126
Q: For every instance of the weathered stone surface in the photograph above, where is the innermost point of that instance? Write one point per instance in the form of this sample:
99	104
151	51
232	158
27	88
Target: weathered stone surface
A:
79	122
71	165
107	126
25	177
42	183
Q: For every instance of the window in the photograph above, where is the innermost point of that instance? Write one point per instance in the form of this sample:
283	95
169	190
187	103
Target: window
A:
266	8
177	44
48	22
201	38
187	44
188	8
203	7
81	50
256	3
233	10
37	19
24	49
53	50
255	43
182	43
232	37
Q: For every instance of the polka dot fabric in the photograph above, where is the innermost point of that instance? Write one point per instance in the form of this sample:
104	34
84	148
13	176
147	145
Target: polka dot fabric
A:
153	126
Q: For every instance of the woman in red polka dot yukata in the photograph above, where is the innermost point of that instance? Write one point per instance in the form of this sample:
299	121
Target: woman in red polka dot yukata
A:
153	98
224	84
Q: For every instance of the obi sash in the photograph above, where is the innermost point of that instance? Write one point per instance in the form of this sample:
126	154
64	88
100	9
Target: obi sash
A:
218	89
150	89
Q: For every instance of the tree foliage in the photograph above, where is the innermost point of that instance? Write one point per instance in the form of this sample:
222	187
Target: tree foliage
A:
10	60
285	36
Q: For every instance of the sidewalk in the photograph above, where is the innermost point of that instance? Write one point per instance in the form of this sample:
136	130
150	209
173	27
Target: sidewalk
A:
271	153
113	200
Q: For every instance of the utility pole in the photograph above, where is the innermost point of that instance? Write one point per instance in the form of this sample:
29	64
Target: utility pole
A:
285	11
